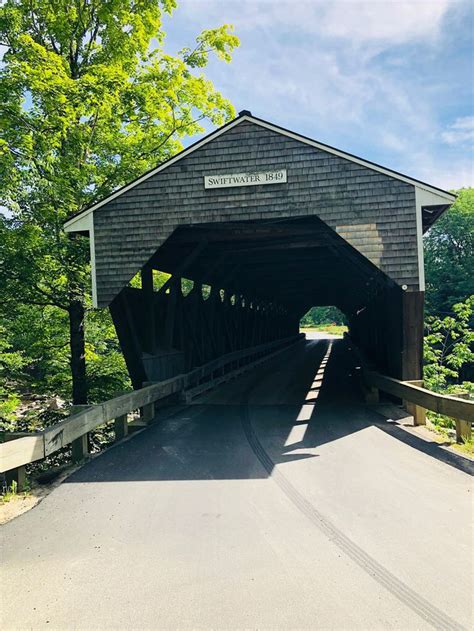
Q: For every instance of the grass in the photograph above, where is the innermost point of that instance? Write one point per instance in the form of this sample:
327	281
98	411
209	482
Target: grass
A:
445	427
11	493
466	447
333	329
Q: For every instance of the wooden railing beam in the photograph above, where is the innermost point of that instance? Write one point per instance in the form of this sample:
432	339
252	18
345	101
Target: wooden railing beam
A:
448	405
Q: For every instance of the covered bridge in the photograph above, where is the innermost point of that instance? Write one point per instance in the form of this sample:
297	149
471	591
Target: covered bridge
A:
266	223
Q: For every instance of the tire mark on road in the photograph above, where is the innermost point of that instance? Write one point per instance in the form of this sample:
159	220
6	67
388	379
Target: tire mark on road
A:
384	577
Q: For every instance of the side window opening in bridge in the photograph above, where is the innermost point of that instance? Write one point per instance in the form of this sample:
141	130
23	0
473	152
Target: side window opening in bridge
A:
186	286
159	279
326	319
206	291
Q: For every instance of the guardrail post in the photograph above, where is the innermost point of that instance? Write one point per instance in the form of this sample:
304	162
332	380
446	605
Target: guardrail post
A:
463	428
147	412
372	395
418	413
80	446
121	426
17	475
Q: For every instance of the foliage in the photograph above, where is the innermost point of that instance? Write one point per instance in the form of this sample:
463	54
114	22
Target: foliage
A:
449	256
88	100
449	337
448	351
322	315
43	366
106	370
11	363
448	346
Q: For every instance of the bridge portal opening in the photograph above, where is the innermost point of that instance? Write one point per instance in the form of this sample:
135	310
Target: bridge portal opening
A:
327	316
233	285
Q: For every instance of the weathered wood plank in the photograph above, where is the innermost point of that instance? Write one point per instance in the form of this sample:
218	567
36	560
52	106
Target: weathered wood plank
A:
71	428
20	451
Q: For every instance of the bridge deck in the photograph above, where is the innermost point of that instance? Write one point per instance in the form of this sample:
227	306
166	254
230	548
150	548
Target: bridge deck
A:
278	502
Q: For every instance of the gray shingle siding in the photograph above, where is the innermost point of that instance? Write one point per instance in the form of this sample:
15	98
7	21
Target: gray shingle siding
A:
374	212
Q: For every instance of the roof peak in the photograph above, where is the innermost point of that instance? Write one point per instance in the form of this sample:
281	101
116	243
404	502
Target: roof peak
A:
243	116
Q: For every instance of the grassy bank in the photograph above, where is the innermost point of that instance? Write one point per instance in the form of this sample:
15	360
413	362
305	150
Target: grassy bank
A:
333	329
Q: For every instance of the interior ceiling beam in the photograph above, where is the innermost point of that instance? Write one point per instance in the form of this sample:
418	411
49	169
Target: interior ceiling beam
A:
307	292
266	252
280	244
293	273
253	264
287	286
192	234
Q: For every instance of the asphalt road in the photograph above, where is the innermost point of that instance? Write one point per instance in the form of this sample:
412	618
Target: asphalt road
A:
278	502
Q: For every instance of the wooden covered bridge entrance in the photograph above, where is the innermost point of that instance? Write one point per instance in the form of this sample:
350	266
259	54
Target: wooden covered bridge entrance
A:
266	223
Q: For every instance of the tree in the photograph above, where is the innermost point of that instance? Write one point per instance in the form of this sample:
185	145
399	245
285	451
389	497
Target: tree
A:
88	101
323	315
448	347
449	256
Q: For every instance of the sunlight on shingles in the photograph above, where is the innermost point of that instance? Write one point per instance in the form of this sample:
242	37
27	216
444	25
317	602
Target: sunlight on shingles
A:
298	432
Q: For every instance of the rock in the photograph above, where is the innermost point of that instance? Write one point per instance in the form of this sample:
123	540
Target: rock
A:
55	403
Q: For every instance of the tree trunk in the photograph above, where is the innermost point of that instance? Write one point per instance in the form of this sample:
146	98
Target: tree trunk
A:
78	356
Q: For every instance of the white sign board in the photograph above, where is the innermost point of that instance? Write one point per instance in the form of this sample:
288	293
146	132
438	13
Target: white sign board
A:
245	179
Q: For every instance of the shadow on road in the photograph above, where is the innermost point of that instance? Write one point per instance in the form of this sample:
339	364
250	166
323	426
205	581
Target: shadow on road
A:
298	404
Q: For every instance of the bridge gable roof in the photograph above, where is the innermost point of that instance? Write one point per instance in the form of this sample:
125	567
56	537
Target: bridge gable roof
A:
443	194
376	210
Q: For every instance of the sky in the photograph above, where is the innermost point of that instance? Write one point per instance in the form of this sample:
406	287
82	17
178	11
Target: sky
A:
390	81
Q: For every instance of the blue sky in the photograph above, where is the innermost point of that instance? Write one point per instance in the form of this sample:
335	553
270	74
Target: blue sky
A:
390	81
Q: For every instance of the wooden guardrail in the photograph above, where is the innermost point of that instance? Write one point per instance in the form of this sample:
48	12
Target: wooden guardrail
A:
416	398
421	399
16	453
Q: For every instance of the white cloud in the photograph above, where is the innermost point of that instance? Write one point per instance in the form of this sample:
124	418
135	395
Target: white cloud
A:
360	21
384	20
359	75
460	132
448	173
